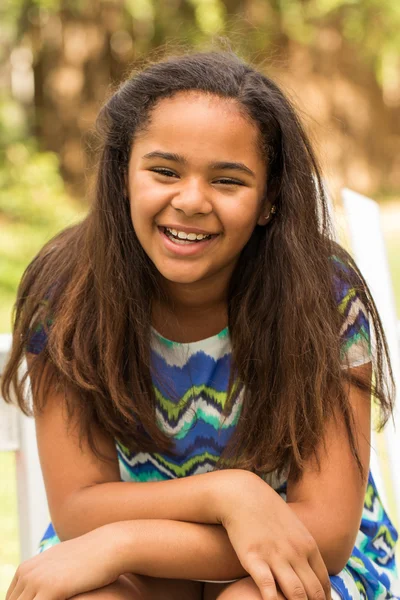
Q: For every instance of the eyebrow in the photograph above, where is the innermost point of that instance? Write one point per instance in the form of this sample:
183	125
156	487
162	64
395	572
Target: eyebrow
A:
223	165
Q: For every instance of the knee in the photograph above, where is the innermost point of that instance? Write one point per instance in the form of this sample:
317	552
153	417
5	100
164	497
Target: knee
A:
244	589
249	590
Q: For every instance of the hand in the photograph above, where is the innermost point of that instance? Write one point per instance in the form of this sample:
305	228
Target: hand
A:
79	565
271	542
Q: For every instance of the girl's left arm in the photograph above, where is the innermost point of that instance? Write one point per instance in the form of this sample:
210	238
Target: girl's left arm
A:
330	501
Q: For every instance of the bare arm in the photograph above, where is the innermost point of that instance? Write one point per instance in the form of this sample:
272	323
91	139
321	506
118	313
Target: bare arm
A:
330	501
175	550
190	499
144	521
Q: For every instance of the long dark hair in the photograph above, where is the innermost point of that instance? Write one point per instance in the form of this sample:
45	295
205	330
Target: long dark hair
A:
284	321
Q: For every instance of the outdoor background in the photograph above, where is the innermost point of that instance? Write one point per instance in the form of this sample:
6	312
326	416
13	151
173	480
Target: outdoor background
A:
338	60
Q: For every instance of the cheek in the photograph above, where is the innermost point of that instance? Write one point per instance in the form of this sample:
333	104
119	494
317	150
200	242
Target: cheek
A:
240	218
147	198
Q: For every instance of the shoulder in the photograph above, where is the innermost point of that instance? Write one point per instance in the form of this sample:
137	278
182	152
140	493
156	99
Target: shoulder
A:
348	283
353	305
39	328
41	291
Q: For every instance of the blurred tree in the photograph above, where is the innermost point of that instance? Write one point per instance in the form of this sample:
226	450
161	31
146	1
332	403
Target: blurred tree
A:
33	202
340	56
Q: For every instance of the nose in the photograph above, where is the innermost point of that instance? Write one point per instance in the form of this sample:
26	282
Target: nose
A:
193	198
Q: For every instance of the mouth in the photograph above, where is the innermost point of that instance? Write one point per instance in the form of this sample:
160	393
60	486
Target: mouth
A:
194	238
184	247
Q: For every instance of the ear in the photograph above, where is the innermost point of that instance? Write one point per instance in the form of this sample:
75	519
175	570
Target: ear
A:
268	209
265	214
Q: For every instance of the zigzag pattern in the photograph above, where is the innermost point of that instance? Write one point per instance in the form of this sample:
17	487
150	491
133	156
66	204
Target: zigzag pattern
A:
161	468
180	422
194	419
377	536
354	332
197	446
188	377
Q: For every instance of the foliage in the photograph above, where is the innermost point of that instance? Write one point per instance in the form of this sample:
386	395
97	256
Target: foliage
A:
33	203
373	26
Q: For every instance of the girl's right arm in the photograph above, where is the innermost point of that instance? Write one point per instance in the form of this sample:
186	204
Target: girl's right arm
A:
85	492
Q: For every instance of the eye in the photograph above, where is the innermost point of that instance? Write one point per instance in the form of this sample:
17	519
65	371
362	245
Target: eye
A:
171	174
226	181
163	171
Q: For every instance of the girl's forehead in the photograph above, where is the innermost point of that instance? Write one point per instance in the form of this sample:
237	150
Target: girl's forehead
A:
200	104
202	123
194	97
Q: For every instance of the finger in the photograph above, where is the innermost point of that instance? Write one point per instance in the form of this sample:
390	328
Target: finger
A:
312	585
17	592
28	595
320	570
290	583
21	592
12	585
264	580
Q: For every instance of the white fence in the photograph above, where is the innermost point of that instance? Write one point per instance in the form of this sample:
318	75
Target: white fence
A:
17	432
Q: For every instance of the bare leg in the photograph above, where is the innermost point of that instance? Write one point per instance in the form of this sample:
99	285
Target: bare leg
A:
244	589
139	587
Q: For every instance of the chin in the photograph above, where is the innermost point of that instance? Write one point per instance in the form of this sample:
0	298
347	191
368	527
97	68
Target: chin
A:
180	277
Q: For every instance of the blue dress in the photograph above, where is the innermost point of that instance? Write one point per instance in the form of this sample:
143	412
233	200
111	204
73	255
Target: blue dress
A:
200	372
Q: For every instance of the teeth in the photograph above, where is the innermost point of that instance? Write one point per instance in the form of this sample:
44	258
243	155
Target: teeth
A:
187	236
182	242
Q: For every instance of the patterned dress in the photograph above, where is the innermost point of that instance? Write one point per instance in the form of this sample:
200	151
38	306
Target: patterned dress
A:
200	373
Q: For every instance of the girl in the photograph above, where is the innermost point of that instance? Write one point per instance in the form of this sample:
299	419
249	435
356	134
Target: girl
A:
201	322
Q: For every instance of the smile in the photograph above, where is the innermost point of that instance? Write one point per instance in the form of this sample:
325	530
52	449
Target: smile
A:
195	244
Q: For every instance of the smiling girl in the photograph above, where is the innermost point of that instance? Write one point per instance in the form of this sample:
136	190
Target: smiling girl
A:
200	359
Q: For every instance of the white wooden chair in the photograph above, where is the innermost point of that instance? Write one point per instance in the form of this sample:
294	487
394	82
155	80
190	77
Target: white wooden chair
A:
368	248
17	432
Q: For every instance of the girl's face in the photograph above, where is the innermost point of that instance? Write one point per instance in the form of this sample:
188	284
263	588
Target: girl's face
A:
196	169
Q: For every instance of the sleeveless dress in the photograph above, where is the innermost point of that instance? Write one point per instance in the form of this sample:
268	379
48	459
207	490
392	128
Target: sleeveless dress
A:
200	374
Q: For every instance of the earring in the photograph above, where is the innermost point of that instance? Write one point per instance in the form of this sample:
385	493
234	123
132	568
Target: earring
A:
271	212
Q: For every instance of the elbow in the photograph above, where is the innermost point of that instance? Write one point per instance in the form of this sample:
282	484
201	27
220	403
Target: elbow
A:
336	564
64	527
69	518
338	552
335	535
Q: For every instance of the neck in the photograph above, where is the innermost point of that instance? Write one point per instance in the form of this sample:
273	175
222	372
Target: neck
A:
192	311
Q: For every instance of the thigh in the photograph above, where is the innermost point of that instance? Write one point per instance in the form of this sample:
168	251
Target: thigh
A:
140	587
244	589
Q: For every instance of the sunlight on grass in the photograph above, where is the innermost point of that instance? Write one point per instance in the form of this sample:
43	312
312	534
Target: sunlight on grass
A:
9	547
